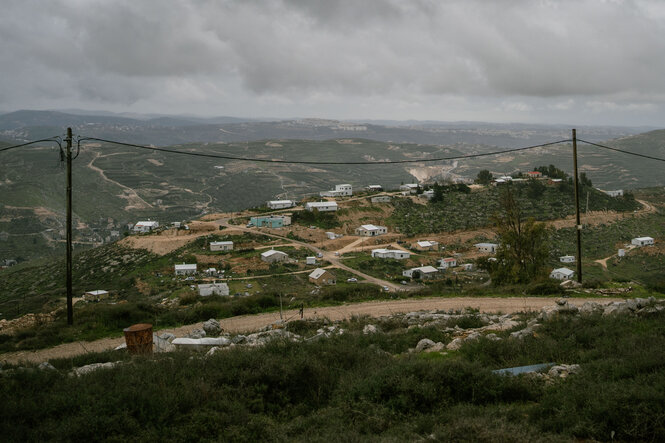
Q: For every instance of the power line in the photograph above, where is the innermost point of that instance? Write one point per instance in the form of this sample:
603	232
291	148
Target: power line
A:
622	151
55	139
301	162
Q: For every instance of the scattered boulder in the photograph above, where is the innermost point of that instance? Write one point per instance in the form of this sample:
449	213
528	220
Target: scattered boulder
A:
370	329
427	345
163	344
455	344
215	350
238	339
522	333
197	333
616	308
212	328
563	371
590	308
93	367
46	366
424	343
200	344
167	336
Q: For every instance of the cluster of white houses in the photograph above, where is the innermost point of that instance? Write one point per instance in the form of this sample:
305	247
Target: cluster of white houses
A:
145	226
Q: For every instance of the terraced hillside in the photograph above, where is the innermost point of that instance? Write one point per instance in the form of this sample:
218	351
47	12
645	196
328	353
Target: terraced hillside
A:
114	186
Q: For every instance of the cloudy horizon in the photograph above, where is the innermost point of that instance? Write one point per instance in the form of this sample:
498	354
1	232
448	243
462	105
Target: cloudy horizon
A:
567	62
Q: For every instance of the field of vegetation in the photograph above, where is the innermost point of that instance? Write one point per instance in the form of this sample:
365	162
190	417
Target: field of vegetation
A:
461	211
355	387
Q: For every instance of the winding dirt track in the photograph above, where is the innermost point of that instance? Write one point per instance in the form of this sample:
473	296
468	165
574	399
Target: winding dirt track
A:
248	323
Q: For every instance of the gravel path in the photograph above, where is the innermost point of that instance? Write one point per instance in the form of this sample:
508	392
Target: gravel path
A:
248	323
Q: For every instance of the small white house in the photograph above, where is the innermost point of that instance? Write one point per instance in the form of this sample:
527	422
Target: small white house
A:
208	289
448	262
380	199
211	271
185	269
562	274
310	260
339	191
390	253
468	266
333	235
426	245
486	247
567	259
221	246
322	277
145	226
621	253
615	193
642	241
96	295
273	256
427	194
411	188
280	204
321	206
423	272
371	230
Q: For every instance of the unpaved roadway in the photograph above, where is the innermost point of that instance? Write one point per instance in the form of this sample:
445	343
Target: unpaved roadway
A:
250	323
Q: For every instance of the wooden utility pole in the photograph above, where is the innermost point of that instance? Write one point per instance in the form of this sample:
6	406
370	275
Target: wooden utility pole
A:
578	224
70	308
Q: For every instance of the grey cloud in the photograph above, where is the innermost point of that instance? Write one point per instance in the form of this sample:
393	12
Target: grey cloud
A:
298	51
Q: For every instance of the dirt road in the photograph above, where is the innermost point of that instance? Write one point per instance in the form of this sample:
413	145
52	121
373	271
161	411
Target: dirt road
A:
249	323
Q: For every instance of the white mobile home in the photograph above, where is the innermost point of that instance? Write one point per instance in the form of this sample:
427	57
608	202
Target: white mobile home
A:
390	253
221	246
426	245
97	295
310	260
273	256
423	272
615	193
562	274
448	262
380	199
486	247
642	241
409	187
209	289
185	269
145	226
280	204
321	206
371	230
375	188
567	259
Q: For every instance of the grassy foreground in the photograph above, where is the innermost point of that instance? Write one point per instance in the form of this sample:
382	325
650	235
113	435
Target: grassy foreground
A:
360	387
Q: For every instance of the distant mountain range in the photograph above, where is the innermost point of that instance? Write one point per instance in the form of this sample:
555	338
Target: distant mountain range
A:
170	130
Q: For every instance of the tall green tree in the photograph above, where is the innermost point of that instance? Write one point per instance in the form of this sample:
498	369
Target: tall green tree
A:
523	244
484	177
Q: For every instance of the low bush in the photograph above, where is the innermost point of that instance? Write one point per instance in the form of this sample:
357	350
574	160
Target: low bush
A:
360	387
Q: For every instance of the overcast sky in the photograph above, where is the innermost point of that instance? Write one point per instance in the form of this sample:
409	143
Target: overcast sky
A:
573	62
